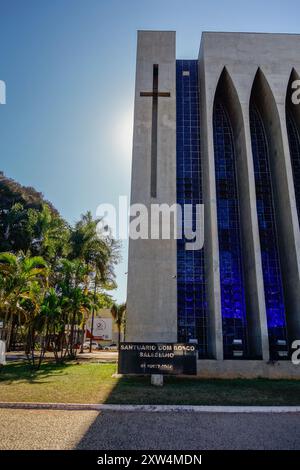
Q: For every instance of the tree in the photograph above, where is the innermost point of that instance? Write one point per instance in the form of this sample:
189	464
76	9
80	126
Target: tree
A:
22	278
49	234
17	203
76	298
99	252
118	313
50	321
52	276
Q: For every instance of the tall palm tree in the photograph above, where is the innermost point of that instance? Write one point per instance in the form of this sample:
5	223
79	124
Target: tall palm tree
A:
99	253
118	313
50	319
76	297
50	234
20	277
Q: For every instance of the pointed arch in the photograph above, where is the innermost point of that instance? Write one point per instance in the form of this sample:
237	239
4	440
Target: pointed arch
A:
267	151
292	112
228	148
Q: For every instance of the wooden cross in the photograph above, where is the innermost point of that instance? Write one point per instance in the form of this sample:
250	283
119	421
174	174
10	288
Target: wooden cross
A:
154	94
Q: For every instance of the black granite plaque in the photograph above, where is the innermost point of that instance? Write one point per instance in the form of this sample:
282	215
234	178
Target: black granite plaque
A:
157	358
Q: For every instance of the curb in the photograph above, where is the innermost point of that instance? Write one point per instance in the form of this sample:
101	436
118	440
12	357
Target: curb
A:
150	408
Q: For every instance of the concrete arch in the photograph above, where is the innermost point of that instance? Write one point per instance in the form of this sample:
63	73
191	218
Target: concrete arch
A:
262	99
292	117
226	94
294	107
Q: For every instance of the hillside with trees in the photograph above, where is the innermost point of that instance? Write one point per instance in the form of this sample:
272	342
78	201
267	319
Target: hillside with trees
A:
52	275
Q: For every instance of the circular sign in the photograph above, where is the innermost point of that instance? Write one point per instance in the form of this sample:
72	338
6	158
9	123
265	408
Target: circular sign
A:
101	325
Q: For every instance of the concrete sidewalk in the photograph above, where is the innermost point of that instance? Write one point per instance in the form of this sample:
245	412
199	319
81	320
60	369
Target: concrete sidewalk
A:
140	430
149	408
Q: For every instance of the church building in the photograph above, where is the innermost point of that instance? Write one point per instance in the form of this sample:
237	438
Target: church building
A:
223	131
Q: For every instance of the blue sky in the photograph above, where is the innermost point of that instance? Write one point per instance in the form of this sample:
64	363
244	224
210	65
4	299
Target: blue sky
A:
69	68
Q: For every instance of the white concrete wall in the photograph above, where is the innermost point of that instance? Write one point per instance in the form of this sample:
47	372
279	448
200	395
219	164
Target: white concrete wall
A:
152	285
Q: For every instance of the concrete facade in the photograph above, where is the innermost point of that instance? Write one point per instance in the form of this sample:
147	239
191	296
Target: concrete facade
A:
241	55
239	67
152	290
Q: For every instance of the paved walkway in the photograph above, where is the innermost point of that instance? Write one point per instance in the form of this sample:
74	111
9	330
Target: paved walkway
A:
149	408
122	430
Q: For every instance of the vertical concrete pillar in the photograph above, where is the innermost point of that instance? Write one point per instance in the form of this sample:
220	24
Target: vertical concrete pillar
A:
288	231
255	298
212	272
152	285
271	104
293	301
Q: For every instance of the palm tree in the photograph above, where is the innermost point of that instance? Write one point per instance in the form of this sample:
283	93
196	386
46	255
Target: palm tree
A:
21	276
118	313
50	320
50	234
76	297
99	253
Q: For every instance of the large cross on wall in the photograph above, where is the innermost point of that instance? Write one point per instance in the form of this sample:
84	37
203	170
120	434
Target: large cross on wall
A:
155	94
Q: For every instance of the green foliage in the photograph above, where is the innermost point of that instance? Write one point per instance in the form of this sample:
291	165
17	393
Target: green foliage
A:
52	275
12	193
119	315
20	277
22	213
100	253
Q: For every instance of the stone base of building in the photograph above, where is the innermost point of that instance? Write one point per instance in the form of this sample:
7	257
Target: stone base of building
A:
247	369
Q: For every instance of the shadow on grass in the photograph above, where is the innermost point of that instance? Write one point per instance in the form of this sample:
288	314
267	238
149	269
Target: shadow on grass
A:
93	383
21	371
195	391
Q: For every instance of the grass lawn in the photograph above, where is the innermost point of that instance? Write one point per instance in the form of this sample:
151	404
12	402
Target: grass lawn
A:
93	383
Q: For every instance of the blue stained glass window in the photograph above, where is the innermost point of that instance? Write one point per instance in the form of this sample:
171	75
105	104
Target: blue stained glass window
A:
294	142
268	234
192	317
233	304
